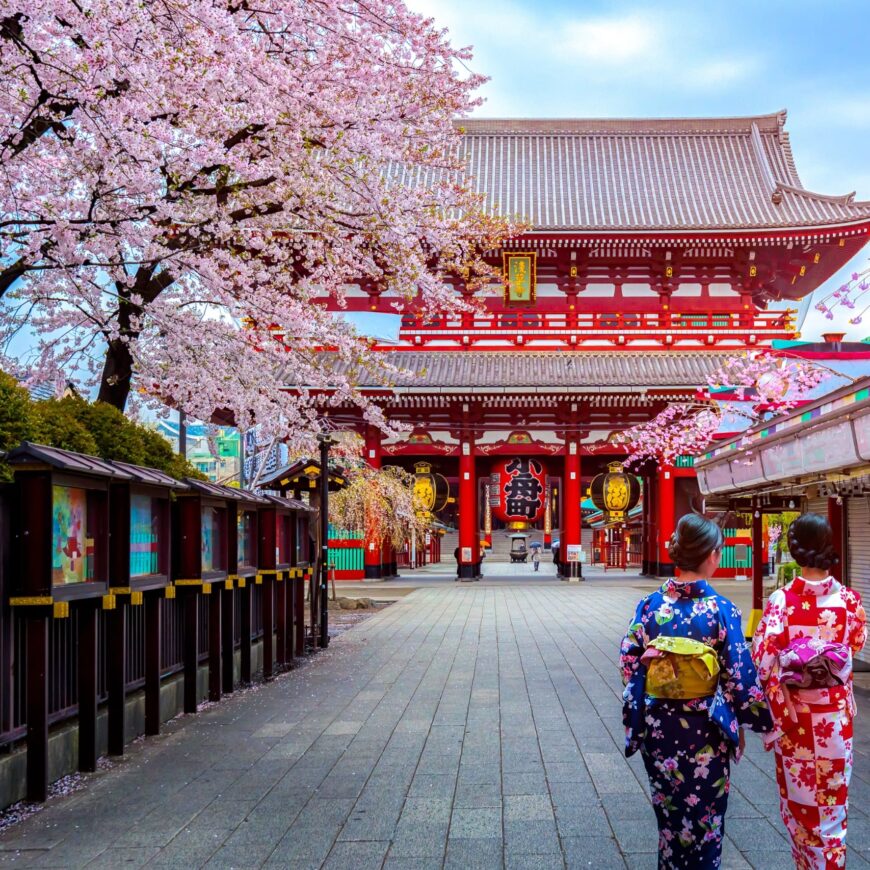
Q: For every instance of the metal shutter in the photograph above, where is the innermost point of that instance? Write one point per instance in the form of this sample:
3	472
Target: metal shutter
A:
858	564
818	506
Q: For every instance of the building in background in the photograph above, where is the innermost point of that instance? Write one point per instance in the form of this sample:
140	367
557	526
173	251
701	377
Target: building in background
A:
216	454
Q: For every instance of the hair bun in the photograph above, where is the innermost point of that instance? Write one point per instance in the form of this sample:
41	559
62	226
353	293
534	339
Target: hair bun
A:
810	543
693	541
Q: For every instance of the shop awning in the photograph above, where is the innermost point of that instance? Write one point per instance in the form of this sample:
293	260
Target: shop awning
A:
826	442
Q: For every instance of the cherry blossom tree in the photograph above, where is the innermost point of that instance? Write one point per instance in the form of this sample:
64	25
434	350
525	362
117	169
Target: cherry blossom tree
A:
182	178
382	502
681	429
745	387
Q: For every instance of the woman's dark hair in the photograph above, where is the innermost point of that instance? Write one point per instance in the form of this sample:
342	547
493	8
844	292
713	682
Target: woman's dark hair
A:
695	538
811	542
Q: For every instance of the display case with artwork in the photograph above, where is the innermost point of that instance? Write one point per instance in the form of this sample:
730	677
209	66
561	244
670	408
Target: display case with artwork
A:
303	538
205	526
278	532
60	524
141	531
244	552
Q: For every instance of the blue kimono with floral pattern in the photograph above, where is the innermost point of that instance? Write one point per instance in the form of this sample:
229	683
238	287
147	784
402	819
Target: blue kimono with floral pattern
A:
687	745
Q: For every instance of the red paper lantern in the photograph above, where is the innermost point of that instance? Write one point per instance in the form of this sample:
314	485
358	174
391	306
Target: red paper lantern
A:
517	491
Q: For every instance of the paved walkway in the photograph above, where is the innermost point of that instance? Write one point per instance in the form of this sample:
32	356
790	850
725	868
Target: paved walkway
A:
465	726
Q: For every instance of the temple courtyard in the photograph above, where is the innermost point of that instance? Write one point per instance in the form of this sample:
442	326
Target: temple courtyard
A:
466	725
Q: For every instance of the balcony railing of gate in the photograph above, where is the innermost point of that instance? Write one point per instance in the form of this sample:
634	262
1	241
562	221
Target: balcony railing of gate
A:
574	328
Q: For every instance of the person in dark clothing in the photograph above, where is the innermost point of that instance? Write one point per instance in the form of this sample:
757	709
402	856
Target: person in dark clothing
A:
456	556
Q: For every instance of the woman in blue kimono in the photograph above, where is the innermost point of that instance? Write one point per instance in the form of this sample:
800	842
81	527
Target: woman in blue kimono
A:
690	690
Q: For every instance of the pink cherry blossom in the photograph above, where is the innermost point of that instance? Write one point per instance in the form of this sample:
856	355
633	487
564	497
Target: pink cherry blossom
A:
182	178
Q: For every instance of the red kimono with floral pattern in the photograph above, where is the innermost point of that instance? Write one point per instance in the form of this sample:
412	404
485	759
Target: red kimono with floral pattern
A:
812	733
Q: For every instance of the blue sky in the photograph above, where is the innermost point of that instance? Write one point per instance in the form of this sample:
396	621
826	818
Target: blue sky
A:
555	58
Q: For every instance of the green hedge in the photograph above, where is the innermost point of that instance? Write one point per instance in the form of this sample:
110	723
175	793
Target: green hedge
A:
95	428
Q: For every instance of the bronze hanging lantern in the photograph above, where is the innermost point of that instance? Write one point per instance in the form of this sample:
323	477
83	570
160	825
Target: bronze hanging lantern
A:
615	493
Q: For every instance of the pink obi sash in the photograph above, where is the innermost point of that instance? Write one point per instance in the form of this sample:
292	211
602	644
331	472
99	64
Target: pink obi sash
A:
809	666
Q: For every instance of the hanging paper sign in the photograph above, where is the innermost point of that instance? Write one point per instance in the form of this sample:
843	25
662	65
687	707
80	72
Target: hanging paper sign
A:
517	491
520	278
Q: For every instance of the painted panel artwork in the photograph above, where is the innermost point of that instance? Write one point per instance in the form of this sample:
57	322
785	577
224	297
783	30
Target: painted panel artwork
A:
212	540
245	537
144	536
72	552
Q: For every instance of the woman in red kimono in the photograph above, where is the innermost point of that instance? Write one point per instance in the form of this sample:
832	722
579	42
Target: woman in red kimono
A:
803	649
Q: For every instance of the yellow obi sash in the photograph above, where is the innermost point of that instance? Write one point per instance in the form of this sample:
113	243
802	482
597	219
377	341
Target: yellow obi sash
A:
679	668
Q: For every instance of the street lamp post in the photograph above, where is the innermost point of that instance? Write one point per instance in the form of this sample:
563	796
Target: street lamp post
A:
325	442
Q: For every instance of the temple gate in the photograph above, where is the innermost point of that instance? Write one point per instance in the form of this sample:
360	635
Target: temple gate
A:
656	250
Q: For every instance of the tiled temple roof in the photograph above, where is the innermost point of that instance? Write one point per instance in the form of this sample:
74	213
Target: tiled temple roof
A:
661	174
549	369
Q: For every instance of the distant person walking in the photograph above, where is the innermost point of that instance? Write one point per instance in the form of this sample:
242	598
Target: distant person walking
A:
536	557
803	648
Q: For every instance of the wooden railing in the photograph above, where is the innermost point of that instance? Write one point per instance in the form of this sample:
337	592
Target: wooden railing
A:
576	328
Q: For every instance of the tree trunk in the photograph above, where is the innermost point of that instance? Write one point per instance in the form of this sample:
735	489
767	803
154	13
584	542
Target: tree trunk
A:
117	375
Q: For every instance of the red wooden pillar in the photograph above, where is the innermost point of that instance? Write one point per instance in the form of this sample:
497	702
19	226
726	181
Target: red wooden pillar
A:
645	528
835	518
372	553
759	557
666	519
570	536
469	533
651	541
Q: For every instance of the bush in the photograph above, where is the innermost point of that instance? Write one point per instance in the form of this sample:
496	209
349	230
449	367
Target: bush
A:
73	424
16	416
55	423
16	412
116	436
789	572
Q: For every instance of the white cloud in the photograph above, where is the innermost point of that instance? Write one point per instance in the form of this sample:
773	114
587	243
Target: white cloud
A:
725	71
555	62
615	41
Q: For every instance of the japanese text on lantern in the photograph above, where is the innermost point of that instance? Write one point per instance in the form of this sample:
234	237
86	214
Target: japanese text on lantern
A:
523	490
516	491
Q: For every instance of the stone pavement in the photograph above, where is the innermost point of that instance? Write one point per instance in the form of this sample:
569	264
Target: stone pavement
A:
464	726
